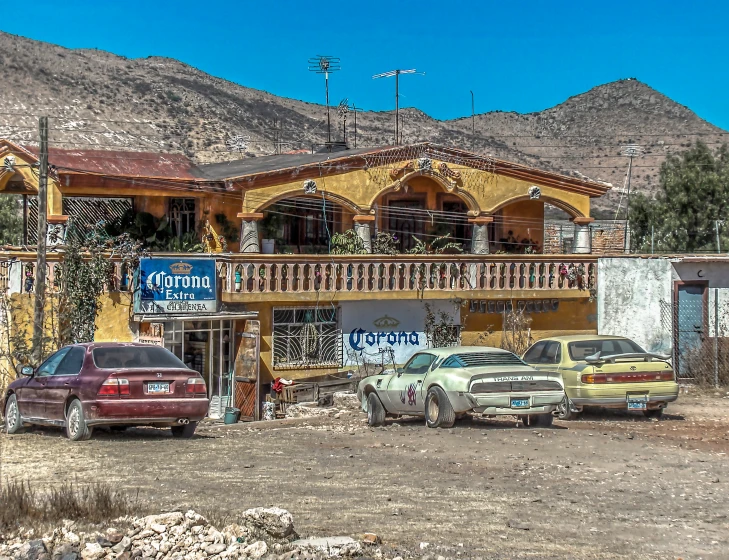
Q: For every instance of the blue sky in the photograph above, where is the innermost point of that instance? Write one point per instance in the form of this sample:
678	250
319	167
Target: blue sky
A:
515	56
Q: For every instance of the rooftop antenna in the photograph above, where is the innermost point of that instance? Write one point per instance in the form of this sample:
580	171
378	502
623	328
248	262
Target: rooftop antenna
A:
397	73
630	151
342	110
322	64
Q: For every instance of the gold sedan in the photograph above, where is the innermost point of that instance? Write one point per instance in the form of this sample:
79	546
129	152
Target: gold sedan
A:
606	371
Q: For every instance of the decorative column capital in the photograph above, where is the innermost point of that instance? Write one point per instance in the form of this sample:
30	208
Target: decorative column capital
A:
250	216
582	220
481	220
363	218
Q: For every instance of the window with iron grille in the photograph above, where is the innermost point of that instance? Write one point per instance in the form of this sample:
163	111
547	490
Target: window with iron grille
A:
306	337
182	215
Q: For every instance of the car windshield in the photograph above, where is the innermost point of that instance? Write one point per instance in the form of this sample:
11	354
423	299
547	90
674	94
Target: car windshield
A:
135	357
607	347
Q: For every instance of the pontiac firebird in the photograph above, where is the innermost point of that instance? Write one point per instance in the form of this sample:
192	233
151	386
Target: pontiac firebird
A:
442	384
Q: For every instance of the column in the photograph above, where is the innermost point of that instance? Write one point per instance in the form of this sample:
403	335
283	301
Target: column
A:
57	229
480	234
583	240
364	231
249	240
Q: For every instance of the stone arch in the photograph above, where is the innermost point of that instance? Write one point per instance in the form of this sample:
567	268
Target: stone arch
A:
446	184
562	205
298	193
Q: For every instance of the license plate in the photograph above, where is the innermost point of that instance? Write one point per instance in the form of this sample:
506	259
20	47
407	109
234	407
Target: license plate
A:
637	404
519	403
158	388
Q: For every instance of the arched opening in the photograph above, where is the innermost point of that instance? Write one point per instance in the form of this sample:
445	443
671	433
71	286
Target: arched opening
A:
302	224
422	209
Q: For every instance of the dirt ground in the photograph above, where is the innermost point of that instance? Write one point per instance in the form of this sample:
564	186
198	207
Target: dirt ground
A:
609	485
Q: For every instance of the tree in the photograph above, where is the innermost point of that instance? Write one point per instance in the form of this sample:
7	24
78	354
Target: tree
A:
694	194
11	220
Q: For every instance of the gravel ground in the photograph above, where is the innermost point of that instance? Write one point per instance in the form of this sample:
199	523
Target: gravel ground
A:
609	485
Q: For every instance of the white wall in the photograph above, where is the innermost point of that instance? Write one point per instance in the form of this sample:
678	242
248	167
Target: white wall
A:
360	334
634	296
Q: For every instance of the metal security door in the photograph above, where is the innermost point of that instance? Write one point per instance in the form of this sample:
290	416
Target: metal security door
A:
689	325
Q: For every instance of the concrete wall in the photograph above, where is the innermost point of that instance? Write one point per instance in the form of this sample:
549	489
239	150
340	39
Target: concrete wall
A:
632	299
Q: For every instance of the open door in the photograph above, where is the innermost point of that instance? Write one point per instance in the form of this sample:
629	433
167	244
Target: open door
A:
247	372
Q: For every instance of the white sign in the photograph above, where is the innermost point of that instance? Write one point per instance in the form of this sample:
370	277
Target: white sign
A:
371	326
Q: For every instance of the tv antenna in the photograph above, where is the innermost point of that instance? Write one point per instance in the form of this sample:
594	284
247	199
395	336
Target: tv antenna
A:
397	73
342	110
238	143
322	64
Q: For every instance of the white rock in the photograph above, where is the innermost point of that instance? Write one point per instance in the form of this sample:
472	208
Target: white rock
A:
256	550
332	547
346	401
93	551
158	528
276	522
72	538
215	548
122	545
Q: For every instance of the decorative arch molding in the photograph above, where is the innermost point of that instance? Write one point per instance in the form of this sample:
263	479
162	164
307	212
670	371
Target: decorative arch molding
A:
299	193
561	204
447	184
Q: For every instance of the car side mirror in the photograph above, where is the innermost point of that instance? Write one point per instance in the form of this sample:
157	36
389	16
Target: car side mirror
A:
27	370
399	371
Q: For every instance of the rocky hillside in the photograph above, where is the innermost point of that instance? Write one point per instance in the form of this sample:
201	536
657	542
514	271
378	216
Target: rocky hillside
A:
100	100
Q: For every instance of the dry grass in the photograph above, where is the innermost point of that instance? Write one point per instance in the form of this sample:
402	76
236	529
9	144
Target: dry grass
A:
21	505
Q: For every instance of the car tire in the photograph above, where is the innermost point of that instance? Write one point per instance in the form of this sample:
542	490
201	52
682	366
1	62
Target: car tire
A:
186	431
76	427
537	420
564	410
375	410
653	413
13	421
439	412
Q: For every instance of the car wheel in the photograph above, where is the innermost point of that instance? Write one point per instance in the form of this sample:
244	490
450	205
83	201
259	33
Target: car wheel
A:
76	427
537	420
653	413
564	410
438	410
13	421
375	411
186	431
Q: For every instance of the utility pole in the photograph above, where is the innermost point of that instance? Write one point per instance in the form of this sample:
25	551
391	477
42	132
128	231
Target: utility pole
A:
631	151
397	73
718	241
651	239
473	115
40	266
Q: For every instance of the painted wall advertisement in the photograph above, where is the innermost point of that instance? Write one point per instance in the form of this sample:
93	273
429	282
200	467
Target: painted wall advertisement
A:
371	326
174	286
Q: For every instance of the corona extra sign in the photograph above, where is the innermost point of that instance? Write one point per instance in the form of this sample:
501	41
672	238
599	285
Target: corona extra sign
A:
176	286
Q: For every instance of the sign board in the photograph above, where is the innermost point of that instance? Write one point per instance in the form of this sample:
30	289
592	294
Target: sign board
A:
175	286
371	326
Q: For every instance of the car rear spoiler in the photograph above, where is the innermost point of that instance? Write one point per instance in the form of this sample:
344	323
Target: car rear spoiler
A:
645	356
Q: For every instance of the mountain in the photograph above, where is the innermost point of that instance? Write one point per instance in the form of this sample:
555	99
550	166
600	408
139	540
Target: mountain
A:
99	100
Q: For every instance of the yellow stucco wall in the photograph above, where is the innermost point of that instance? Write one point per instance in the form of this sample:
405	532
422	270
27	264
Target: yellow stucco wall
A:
360	189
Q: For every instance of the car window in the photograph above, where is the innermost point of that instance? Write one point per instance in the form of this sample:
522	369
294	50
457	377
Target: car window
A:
583	348
49	366
418	364
552	353
71	364
532	355
110	357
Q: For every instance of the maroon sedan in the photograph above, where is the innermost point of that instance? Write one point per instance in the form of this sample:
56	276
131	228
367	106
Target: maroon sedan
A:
107	384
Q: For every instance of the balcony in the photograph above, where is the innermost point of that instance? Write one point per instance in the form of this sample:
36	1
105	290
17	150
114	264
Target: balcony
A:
256	277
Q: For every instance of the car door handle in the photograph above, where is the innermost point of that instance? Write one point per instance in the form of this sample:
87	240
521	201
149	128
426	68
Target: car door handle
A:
67	383
420	380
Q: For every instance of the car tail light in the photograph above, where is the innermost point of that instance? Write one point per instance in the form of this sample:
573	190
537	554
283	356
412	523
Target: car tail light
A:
642	377
196	386
114	387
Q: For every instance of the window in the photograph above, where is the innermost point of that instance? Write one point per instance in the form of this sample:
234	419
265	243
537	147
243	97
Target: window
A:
111	357
533	354
607	347
50	365
306	337
182	215
418	364
544	352
72	363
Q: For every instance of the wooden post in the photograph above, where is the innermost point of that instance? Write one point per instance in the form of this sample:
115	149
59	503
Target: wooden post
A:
40	268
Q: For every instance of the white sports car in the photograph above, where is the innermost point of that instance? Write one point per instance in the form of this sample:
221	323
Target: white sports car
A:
444	383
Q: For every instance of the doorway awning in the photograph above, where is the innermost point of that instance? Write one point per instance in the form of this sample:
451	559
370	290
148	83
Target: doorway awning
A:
163	318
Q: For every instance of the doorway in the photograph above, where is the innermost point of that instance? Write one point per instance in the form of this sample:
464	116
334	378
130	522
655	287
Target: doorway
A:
690	314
